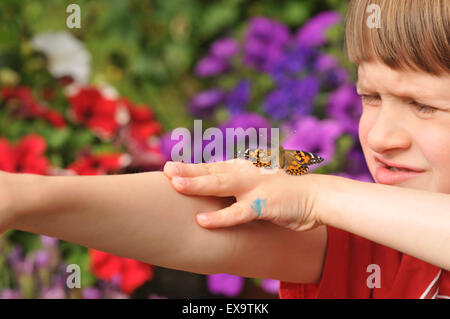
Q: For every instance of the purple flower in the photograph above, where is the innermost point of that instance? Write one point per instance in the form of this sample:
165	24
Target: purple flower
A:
344	105
333	74
56	292
238	98
211	66
15	257
91	293
217	61
313	135
296	97
298	59
224	48
270	285
246	121
277	104
167	145
265	42
10	294
356	163
48	241
42	258
204	103
313	31
268	31
26	266
229	285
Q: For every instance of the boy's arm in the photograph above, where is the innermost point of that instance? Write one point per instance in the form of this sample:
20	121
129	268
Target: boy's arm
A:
415	222
140	216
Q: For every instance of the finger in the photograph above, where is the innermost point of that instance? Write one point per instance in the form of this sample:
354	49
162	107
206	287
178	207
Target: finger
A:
226	184
238	213
172	169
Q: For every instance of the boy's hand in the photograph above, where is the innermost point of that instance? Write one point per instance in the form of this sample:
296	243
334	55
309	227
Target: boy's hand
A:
285	200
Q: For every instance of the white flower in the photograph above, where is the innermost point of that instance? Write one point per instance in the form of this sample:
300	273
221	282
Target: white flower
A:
66	55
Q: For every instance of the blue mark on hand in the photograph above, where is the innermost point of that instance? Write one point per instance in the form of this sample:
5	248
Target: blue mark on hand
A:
258	205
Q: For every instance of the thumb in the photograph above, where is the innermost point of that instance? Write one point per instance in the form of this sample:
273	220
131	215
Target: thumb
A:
238	213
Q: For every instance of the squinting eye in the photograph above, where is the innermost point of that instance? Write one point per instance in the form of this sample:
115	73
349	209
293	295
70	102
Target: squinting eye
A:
423	108
370	99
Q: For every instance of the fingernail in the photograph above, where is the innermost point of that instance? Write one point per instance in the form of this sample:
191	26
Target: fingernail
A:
202	218
172	168
180	181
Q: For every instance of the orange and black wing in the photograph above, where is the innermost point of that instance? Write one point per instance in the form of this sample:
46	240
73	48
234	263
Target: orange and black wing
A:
304	158
259	157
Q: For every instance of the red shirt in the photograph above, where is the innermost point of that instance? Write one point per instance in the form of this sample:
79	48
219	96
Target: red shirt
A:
351	266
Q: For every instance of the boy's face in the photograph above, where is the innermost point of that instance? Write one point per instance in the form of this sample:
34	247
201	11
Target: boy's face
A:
405	122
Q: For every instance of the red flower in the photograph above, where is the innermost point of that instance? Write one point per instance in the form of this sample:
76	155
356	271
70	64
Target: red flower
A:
55	118
98	113
29	107
103	119
8	156
105	116
98	164
26	157
142	124
83	102
131	273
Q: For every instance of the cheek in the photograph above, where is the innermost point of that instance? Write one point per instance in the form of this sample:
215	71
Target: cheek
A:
365	123
435	145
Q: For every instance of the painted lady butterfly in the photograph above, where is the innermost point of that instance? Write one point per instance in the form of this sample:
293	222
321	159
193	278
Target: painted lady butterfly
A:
294	162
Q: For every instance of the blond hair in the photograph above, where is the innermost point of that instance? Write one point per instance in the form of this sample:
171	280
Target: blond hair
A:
412	35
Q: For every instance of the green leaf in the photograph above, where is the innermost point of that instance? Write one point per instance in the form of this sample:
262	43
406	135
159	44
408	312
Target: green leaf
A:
216	17
58	138
56	160
295	13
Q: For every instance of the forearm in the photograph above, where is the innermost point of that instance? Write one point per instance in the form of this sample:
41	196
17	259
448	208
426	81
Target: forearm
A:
138	216
141	216
412	221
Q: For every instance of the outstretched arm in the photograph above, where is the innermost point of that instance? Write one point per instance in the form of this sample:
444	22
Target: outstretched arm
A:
141	216
415	222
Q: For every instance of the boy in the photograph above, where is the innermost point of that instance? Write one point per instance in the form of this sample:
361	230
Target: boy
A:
322	236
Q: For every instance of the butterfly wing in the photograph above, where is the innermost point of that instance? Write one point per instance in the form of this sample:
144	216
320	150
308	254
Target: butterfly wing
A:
259	157
294	162
305	158
300	170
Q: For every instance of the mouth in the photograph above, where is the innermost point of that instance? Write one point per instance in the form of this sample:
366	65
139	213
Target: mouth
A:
397	167
390	173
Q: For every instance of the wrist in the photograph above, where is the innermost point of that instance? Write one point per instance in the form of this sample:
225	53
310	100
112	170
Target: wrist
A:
25	193
324	197
332	195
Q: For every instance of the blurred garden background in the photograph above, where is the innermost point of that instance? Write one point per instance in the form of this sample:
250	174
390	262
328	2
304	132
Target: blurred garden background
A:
103	99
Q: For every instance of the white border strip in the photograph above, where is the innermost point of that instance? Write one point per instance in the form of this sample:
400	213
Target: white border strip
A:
431	285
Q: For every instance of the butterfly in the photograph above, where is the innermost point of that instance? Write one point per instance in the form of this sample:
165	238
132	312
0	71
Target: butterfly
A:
294	162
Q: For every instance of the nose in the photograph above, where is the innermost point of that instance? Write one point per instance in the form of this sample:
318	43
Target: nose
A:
388	130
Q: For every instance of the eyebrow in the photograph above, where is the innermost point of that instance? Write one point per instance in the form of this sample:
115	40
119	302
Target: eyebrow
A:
405	95
402	94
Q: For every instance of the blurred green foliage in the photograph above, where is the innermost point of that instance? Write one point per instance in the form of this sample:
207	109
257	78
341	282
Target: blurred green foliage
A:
145	49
